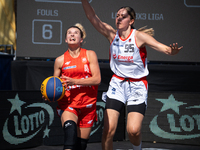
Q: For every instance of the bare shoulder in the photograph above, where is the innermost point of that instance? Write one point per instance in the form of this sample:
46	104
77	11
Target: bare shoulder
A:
59	60
91	55
111	32
140	34
143	38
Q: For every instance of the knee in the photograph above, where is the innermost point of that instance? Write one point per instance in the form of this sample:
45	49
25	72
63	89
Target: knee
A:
133	131
70	134
109	131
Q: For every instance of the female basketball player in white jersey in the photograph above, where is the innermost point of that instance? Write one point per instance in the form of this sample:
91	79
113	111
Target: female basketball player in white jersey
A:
128	61
80	71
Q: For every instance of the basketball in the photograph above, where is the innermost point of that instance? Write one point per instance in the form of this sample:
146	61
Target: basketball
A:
52	89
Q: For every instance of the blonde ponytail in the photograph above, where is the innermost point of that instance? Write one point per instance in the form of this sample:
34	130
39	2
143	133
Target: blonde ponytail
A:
149	31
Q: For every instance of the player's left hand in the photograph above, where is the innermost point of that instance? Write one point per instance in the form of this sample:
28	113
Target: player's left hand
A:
175	49
67	81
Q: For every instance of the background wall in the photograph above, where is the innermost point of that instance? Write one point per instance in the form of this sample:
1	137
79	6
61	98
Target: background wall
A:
41	26
5	72
28	75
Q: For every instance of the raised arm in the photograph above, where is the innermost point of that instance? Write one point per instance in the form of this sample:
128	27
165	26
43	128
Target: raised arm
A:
102	27
143	39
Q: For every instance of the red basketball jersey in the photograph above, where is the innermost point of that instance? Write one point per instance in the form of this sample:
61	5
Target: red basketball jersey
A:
77	96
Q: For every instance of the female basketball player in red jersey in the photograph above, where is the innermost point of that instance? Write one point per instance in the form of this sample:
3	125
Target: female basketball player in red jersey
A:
128	62
80	72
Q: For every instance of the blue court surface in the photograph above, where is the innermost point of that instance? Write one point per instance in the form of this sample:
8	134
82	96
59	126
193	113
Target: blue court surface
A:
125	145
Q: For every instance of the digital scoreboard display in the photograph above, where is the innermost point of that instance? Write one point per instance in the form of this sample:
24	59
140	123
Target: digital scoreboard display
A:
41	26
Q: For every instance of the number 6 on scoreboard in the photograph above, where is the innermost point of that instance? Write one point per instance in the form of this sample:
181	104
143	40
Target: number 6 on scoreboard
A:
47	32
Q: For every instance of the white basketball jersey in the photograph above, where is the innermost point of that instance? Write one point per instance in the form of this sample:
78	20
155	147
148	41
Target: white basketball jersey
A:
126	59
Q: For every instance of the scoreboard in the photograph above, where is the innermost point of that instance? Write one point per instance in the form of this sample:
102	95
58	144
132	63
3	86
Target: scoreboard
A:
41	26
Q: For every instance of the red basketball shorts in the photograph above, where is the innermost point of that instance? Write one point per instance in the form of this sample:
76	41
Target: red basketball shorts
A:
86	116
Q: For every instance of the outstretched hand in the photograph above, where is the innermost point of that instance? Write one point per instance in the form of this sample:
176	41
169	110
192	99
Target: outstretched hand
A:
175	49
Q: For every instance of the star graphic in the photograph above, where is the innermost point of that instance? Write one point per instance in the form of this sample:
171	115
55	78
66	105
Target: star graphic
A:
16	104
46	132
170	103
